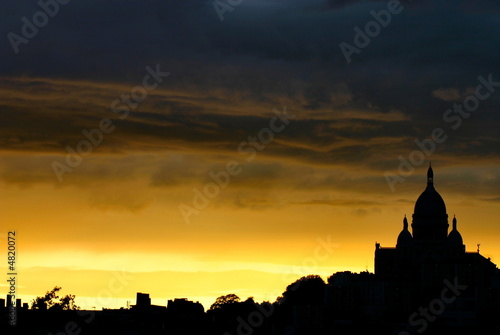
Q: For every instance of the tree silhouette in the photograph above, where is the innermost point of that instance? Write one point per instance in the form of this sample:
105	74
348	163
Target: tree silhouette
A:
308	290
224	300
68	303
50	302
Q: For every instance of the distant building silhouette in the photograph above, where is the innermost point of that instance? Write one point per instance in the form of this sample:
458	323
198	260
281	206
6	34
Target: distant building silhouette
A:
424	261
10	300
143	304
183	306
142	300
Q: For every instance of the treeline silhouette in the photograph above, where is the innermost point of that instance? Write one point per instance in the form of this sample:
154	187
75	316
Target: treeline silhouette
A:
307	306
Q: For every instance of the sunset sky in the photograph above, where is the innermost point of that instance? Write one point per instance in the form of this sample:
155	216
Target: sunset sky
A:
303	193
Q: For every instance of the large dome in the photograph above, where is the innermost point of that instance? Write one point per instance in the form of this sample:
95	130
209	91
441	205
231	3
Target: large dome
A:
430	221
430	203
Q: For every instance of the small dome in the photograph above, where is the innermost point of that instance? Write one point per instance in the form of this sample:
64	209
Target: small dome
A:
404	238
430	203
455	238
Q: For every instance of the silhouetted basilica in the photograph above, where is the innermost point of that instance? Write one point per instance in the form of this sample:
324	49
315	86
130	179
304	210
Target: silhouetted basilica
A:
430	267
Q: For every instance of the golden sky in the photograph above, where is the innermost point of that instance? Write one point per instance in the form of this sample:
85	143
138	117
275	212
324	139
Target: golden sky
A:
301	141
118	211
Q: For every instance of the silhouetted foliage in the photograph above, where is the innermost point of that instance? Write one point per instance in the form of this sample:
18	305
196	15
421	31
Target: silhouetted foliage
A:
49	301
224	300
308	290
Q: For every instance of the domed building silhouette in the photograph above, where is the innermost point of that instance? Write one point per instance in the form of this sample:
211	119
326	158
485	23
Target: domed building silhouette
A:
429	258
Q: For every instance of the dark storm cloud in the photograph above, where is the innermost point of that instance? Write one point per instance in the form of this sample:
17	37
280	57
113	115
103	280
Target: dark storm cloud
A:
106	39
227	76
114	40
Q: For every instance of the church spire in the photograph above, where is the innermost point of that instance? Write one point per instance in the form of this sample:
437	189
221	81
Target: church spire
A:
454	223
405	223
430	175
